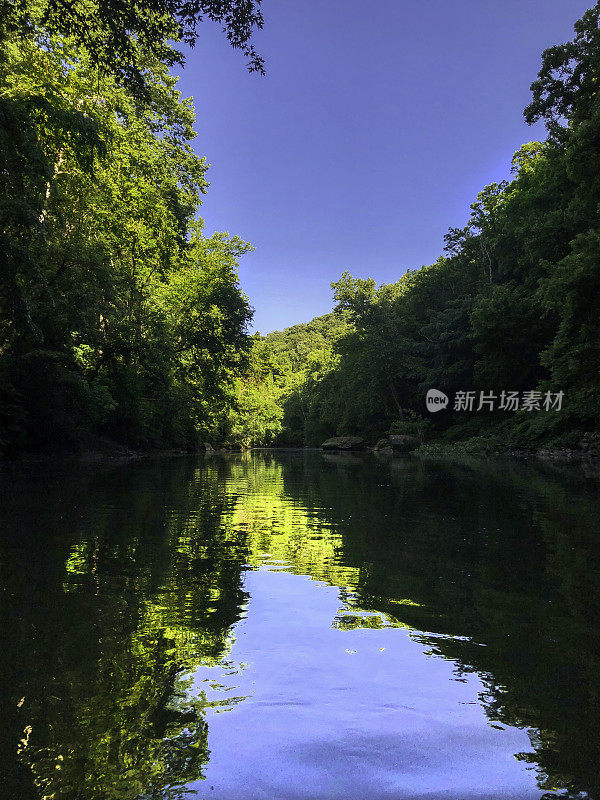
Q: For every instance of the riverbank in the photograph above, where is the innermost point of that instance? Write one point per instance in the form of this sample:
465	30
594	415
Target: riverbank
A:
588	449
99	450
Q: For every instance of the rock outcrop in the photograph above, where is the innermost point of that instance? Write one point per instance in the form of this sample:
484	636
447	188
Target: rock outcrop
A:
344	443
388	445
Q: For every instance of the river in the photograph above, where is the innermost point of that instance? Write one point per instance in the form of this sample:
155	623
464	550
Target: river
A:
297	626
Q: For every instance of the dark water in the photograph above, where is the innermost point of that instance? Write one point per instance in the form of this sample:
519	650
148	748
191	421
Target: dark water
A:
299	626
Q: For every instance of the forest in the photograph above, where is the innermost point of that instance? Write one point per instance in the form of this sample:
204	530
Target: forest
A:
121	320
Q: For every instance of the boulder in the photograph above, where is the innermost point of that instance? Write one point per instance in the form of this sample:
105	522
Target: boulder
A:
344	443
404	442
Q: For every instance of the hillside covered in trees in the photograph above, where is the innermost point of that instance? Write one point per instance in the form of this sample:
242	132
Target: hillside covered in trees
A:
275	398
512	306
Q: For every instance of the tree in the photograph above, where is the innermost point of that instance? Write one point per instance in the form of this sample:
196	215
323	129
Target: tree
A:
119	34
567	82
117	315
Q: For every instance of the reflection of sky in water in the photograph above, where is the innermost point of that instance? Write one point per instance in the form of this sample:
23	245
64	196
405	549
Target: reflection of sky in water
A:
340	702
359	713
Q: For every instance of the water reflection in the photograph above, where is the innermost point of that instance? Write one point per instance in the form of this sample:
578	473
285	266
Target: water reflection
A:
300	626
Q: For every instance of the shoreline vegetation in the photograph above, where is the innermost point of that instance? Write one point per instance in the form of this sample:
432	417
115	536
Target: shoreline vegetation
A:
113	452
121	320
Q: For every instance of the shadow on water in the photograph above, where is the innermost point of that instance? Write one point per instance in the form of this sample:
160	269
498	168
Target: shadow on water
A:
120	582
117	581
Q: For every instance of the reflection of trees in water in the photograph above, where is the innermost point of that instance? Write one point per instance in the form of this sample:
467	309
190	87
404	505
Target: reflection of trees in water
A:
498	562
505	556
281	529
150	589
138	583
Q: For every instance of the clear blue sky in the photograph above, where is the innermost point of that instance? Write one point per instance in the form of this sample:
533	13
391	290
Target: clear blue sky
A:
376	126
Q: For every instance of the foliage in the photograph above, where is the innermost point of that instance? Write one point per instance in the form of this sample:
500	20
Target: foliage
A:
117	315
117	34
411	425
277	395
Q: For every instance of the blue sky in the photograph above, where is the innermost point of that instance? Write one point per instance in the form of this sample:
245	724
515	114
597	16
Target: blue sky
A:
376	126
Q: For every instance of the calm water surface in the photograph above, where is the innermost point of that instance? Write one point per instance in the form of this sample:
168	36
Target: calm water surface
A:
299	626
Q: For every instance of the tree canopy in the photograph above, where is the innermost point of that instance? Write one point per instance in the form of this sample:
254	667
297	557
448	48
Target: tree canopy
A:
118	34
118	316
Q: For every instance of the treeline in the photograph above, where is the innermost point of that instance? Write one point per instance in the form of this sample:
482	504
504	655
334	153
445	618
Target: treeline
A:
276	397
119	317
513	305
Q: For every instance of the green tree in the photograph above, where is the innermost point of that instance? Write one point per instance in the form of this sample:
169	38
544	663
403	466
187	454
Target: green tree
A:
117	315
118	35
